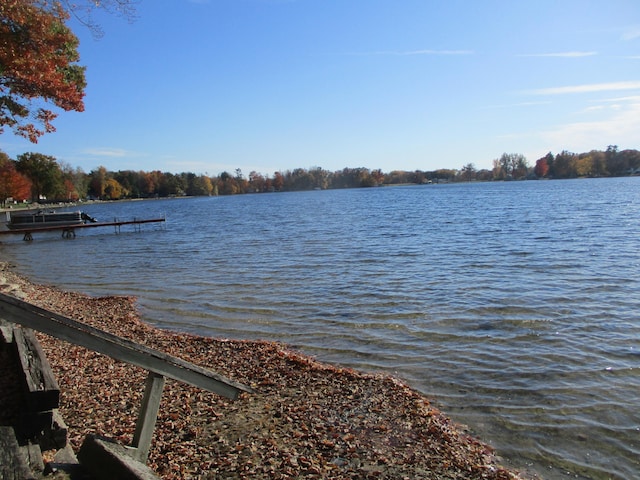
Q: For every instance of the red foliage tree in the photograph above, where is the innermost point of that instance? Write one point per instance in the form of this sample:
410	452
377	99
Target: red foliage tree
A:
12	183
38	56
542	167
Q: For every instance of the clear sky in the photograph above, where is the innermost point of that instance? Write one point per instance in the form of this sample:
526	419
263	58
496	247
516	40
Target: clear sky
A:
207	86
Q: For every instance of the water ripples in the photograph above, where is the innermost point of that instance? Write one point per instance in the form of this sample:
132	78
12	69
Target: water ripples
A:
514	305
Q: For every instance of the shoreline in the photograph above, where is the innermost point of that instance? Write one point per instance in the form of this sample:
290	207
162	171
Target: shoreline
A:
305	418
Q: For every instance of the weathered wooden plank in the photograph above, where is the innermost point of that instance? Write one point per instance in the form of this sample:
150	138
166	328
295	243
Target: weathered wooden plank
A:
41	388
148	416
6	331
107	460
13	464
28	315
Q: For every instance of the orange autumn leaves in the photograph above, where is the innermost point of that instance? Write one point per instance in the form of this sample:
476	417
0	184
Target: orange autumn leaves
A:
38	55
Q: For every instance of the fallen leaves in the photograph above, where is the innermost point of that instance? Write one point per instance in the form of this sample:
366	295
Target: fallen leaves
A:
306	419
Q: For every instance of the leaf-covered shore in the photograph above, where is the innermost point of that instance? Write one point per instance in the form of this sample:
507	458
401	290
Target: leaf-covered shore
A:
306	419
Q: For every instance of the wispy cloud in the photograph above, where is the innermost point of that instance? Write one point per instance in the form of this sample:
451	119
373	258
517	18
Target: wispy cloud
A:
632	33
587	88
630	98
622	127
560	54
110	152
519	104
416	52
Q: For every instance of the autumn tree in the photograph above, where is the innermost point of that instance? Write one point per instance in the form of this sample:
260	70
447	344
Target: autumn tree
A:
75	180
542	167
397	177
12	183
377	176
468	172
257	182
278	181
204	185
113	190
583	165
444	174
44	173
38	67
98	182
227	184
146	184
320	177
599	163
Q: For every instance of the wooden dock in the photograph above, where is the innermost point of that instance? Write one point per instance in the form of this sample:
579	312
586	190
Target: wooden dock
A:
68	231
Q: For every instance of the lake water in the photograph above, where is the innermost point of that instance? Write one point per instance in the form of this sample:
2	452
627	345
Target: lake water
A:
515	306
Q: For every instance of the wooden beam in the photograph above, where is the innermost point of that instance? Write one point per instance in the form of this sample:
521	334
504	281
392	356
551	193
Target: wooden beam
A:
13	464
41	388
28	315
147	416
106	460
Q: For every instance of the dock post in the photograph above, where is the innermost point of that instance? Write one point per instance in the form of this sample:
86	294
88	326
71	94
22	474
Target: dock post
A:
147	416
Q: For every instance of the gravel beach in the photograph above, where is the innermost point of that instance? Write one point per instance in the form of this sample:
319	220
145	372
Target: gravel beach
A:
306	419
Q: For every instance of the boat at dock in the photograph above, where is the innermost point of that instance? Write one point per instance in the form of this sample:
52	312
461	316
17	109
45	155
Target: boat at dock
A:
46	218
28	223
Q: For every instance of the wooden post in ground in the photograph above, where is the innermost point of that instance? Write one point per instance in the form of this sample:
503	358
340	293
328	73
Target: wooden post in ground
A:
147	416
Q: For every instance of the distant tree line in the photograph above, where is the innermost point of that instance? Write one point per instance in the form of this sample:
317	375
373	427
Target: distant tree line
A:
38	177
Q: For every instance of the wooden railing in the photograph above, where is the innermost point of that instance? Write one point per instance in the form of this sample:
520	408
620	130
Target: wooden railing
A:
158	364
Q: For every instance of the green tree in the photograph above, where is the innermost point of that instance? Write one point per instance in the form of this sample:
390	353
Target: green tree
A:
44	173
631	159
514	165
564	165
171	185
129	179
75	180
599	163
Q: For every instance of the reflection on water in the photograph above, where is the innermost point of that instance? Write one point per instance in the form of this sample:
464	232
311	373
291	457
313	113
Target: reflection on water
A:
514	305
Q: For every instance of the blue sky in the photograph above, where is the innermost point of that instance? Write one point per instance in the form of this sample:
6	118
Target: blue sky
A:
207	86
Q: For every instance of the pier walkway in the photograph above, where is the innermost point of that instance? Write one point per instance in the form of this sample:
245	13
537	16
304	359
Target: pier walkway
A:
68	231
